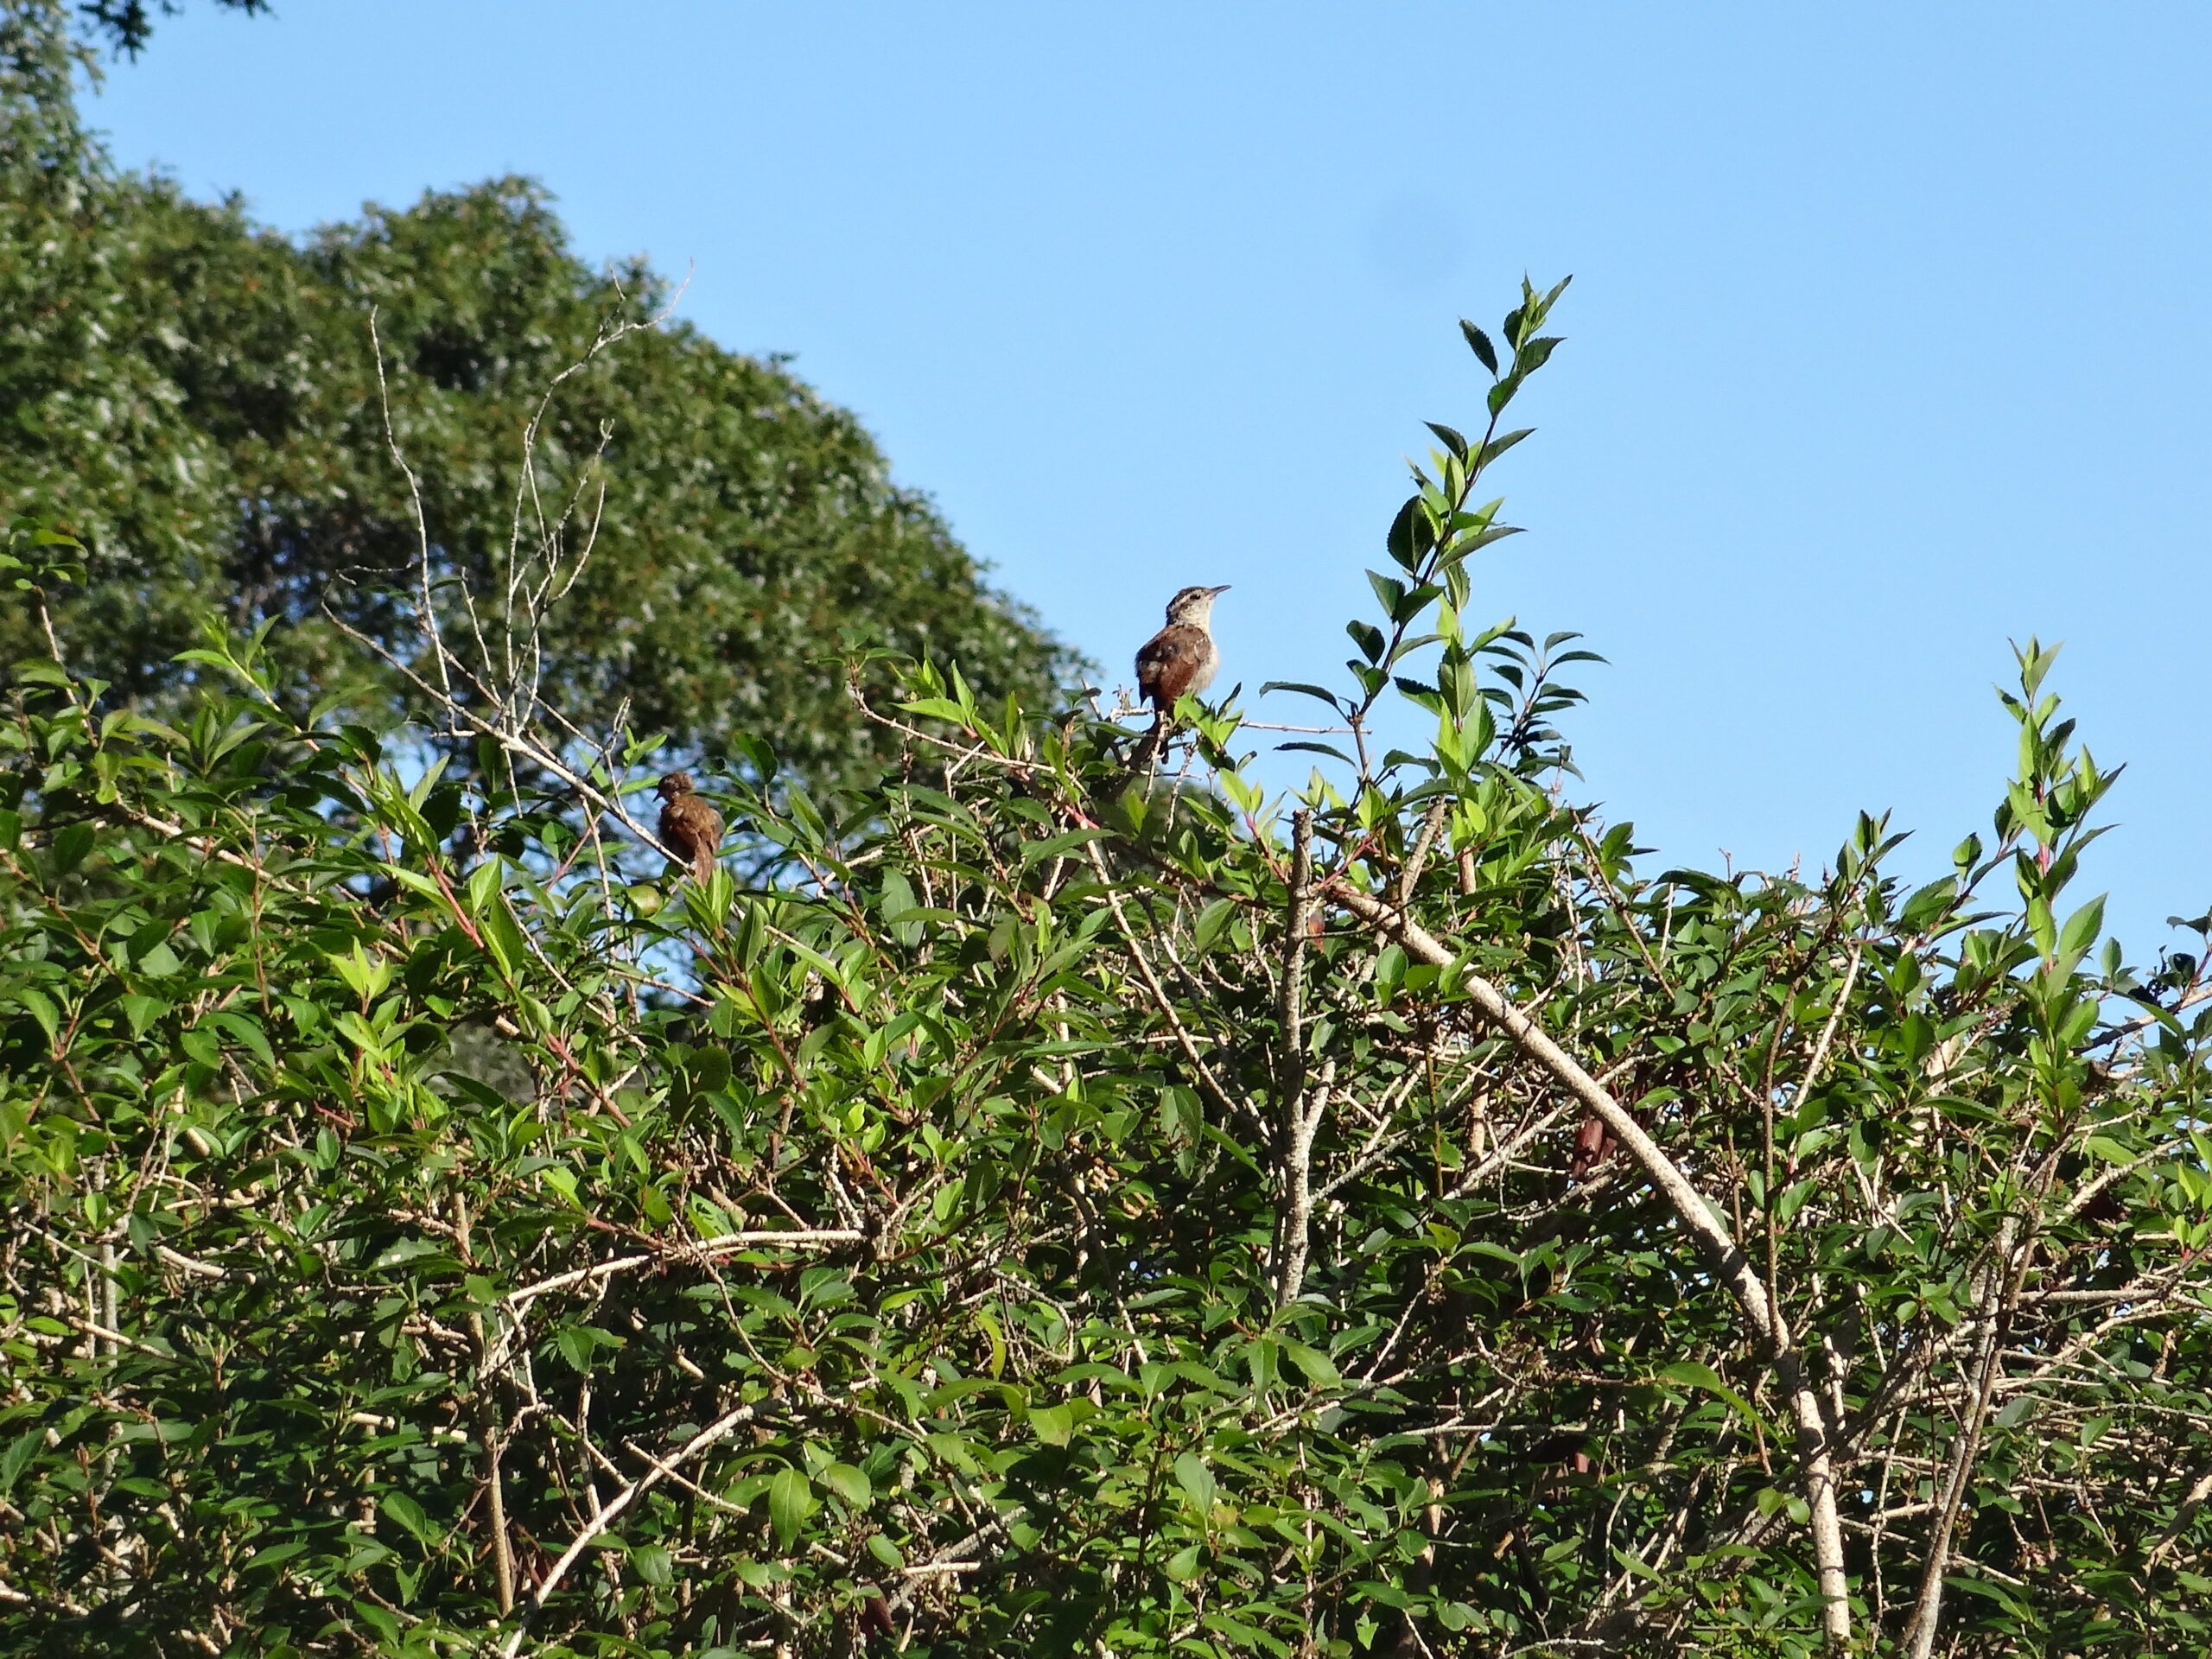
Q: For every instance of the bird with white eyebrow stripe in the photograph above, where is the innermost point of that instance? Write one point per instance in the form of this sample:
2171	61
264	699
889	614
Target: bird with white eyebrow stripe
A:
1182	657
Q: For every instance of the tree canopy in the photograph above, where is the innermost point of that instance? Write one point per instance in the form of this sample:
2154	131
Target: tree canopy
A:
1073	1212
125	26
202	403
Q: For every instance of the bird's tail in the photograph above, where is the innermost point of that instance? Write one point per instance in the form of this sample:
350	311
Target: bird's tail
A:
702	864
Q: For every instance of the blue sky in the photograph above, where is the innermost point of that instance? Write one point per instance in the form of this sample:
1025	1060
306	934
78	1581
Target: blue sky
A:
1888	339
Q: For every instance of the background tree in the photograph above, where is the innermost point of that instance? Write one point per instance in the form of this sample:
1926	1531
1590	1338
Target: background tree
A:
199	399
125	26
1077	1214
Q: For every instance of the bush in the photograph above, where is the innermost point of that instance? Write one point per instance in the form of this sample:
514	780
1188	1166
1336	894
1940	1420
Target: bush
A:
1066	1211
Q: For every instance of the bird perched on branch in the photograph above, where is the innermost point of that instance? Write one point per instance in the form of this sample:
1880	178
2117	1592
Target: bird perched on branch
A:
1180	657
690	827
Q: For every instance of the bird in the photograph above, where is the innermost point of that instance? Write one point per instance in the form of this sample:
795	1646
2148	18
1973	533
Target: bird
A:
690	827
1593	1144
1180	657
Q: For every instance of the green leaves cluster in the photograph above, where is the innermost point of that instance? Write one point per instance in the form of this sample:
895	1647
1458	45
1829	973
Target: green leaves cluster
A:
436	1228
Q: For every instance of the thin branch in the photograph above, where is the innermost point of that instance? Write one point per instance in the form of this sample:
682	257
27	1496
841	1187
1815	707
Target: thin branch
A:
1294	1195
721	1428
1695	1212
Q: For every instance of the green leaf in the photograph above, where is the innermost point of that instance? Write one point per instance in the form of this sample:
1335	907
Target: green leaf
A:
142	1012
1387	1595
247	1031
1769	1499
2081	930
1636	1565
385	1625
1329	749
1496	447
1319	1369
790	1501
276	1555
1303	690
503	934
1196	1480
1478	343
1035	852
1983	1587
850	1484
41	1008
71	845
654	1564
407	1249
1392	594
19	1453
1929	903
1054	1425
1689	1375
1451	439
1411	534
1535	354
1213	921
409	1514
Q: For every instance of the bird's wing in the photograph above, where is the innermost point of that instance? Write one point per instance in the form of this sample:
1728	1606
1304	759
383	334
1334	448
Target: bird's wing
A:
693	831
1168	662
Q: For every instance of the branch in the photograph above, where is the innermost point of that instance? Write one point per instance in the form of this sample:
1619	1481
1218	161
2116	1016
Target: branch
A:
719	1429
705	1249
2189	1505
1161	1000
1695	1212
946	1560
515	1302
1294	1201
189	1264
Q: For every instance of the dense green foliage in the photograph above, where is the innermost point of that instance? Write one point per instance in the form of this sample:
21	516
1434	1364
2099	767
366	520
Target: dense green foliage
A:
1070	1213
199	401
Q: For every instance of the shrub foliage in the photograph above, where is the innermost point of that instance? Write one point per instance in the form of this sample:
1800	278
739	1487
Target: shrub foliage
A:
1058	1211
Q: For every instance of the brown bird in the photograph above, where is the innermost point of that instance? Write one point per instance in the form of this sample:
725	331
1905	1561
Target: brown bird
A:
690	827
1180	657
1593	1144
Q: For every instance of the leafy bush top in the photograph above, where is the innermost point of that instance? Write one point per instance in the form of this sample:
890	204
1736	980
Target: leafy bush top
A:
1069	1211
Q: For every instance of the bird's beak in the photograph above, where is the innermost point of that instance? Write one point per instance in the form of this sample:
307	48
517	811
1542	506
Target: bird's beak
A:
1222	588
